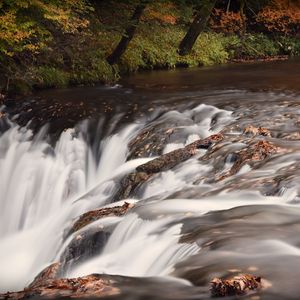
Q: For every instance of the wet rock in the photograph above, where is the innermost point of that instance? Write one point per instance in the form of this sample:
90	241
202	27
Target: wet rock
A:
162	163
152	140
49	272
254	153
90	286
83	246
91	241
130	183
173	158
238	285
97	214
251	130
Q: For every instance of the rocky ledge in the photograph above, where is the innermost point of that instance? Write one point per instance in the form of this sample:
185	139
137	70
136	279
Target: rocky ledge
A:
91	286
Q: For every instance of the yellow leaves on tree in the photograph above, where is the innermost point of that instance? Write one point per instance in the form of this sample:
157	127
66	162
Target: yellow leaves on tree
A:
19	32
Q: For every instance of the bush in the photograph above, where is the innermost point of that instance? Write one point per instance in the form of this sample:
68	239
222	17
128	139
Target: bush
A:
252	46
289	45
47	76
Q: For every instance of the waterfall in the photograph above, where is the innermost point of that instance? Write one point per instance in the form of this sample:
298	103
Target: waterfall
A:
45	187
39	188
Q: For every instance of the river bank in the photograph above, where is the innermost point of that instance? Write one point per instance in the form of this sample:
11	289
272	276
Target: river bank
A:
60	58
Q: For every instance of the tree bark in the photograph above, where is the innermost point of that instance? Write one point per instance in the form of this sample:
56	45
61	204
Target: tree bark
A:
197	26
128	35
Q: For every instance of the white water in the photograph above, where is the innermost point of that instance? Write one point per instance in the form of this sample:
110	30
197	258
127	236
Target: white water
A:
43	189
39	186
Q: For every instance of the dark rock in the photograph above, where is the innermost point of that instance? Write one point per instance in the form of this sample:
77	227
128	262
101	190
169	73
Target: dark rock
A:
83	246
90	242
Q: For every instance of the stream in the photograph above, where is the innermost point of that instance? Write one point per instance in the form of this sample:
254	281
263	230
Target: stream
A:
187	225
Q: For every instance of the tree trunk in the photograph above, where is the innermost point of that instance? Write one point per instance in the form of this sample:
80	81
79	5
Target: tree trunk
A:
197	26
129	33
243	17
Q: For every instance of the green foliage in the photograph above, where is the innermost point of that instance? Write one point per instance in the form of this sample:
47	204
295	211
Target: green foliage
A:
289	45
156	48
48	76
251	46
97	71
152	47
209	50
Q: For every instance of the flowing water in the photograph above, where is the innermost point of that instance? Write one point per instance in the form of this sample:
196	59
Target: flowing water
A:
186	227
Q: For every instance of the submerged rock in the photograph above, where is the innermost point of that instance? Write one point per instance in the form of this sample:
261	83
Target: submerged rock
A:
238	285
90	286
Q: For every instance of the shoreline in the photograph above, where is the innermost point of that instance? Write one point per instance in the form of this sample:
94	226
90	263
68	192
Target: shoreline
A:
243	60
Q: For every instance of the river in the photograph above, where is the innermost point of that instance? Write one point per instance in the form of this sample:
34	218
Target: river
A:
188	224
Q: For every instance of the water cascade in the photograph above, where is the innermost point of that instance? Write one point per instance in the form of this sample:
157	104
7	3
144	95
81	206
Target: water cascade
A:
45	187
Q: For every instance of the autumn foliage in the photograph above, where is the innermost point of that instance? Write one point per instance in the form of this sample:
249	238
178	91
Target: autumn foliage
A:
228	22
277	17
281	17
26	25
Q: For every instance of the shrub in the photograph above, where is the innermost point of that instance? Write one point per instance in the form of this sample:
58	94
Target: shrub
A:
47	76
